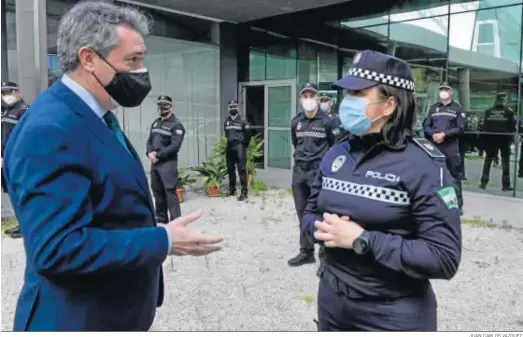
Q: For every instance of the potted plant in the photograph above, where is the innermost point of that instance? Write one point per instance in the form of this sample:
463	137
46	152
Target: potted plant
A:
184	179
213	171
254	152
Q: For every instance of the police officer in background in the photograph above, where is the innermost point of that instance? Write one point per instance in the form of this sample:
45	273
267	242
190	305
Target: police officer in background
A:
238	136
498	119
164	143
313	133
326	105
520	170
444	124
14	107
385	207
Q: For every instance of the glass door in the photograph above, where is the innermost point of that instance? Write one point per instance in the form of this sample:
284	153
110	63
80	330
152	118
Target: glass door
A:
280	108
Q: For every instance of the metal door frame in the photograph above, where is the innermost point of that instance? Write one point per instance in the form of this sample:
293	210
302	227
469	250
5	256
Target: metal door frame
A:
270	84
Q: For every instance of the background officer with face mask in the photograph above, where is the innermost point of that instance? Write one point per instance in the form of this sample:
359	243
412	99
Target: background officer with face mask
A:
313	133
238	138
326	105
14	107
443	126
164	143
498	119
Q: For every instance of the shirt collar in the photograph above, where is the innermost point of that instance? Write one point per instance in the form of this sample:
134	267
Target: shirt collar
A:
84	95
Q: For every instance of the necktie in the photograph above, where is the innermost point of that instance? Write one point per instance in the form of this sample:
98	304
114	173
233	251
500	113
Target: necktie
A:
114	126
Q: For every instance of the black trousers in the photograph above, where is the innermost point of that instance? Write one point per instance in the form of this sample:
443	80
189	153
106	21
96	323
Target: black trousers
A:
453	163
236	156
303	175
463	144
521	159
164	180
4	182
502	144
338	312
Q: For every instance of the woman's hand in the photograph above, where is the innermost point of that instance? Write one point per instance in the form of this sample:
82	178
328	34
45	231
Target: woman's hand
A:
337	232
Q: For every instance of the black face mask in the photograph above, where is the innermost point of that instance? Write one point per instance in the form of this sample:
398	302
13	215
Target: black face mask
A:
128	88
163	111
233	112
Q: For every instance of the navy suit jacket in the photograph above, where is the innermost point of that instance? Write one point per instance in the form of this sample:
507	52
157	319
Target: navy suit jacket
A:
94	252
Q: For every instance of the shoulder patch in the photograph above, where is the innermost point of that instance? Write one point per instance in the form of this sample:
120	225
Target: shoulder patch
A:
179	132
338	163
449	197
428	147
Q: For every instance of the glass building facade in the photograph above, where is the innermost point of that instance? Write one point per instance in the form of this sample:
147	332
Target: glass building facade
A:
474	45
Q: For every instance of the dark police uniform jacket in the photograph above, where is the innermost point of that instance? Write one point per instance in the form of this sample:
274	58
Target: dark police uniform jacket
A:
237	131
405	199
449	119
499	119
166	138
10	118
312	137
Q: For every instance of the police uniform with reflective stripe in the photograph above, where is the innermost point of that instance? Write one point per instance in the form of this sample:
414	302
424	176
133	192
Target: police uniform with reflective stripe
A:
449	119
165	138
498	119
10	118
405	200
238	138
311	138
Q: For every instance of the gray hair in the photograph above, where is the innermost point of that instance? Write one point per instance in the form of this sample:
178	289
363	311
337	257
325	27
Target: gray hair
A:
93	24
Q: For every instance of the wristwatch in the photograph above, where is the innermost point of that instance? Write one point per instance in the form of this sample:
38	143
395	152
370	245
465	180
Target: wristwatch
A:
361	244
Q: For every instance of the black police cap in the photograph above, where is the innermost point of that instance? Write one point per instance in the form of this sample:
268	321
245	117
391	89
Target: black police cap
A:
164	99
8	86
311	87
501	95
233	104
324	95
445	85
371	68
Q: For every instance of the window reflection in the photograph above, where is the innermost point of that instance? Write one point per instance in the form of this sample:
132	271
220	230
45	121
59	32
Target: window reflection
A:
12	54
467	5
422	43
484	61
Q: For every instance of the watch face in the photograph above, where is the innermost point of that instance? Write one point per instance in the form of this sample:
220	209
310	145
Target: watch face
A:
360	246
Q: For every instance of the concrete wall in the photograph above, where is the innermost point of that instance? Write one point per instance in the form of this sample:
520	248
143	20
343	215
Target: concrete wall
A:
31	39
226	36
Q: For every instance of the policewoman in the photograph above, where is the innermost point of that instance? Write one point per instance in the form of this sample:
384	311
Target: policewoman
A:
385	207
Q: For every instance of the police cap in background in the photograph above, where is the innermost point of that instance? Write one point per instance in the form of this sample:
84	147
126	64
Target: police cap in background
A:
164	100
310	87
445	85
9	86
233	105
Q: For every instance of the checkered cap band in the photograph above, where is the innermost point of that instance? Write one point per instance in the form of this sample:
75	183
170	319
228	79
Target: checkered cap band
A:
375	76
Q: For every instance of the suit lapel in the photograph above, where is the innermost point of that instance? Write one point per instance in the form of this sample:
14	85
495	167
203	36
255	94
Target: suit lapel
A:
97	127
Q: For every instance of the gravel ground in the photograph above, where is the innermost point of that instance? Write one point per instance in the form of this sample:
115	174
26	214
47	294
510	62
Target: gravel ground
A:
248	285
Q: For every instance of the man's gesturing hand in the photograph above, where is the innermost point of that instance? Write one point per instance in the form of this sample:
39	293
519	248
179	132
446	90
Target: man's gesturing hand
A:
185	242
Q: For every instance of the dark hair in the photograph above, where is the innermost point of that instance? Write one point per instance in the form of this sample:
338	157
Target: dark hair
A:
401	123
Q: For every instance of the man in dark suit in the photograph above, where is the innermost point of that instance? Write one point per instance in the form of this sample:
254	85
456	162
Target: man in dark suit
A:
94	250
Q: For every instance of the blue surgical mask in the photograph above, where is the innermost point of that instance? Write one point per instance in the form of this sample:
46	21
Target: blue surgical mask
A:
352	115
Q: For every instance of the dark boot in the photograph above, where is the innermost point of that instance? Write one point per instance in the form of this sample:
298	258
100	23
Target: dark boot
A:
243	196
16	233
304	257
12	230
231	193
507	188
